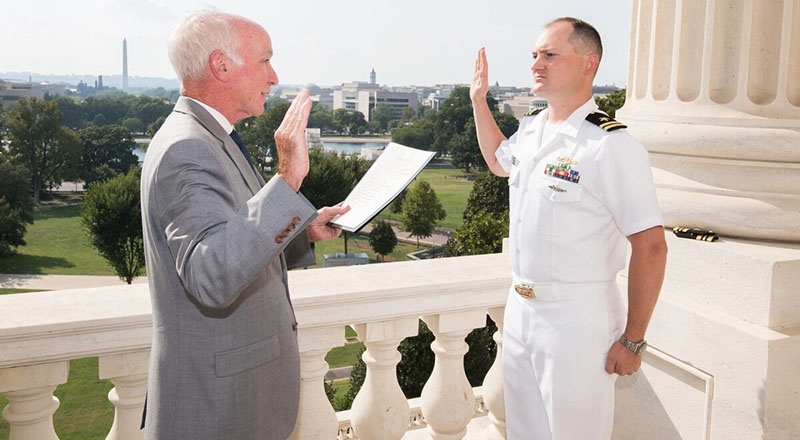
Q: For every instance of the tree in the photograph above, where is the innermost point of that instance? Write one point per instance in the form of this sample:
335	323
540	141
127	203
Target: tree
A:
489	193
358	123
134	125
107	151
382	238
48	150
382	114
483	233
341	119
422	210
612	102
111	215
72	112
464	148
153	128
331	177
452	118
419	134
320	118
258	134
485	218
16	207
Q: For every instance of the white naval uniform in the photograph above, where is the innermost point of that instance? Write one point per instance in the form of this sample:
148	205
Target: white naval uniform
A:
573	201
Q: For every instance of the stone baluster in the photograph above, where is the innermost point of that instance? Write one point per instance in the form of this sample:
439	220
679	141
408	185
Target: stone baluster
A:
316	418
31	403
493	385
448	402
128	373
380	410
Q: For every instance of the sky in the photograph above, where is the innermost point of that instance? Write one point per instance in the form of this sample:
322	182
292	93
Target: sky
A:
323	42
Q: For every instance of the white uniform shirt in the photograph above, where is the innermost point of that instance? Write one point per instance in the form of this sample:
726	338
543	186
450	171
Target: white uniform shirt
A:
574	200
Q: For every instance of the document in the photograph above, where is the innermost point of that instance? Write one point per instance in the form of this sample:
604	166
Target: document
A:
391	172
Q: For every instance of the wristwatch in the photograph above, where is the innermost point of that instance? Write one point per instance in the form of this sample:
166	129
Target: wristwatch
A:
636	347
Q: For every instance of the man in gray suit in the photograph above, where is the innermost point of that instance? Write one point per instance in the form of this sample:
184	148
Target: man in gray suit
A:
218	242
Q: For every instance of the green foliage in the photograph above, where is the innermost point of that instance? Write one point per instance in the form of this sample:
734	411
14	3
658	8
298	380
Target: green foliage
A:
612	102
258	134
320	118
331	177
417	361
358	123
16	207
422	210
507	123
463	147
153	128
419	134
489	193
382	238
111	215
39	142
451	119
396	207
357	376
483	233
107	152
485	219
382	114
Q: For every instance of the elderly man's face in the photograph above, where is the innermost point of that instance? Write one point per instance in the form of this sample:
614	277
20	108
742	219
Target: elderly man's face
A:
252	80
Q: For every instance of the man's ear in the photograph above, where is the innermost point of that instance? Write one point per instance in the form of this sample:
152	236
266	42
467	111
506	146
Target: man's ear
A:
592	62
218	64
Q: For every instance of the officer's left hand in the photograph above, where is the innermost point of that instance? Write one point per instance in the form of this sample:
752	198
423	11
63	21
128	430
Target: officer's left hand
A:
622	361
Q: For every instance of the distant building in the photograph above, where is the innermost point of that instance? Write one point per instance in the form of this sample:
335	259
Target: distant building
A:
363	97
11	92
313	138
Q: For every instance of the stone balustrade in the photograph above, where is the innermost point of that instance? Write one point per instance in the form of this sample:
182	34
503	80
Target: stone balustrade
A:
41	332
722	362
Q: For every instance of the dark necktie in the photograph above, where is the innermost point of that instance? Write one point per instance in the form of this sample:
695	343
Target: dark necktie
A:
236	138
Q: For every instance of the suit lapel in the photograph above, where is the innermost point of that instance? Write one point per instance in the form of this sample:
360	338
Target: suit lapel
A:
250	177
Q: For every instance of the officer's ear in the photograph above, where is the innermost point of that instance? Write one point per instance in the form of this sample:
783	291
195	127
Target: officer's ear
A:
591	63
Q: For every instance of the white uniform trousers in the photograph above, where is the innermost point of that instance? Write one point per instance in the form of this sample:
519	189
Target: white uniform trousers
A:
554	353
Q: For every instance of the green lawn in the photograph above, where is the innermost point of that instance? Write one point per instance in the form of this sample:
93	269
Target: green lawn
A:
451	187
57	245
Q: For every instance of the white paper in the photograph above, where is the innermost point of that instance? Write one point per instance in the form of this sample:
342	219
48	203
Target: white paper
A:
391	172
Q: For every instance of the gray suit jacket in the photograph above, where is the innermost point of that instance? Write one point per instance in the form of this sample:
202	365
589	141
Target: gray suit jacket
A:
218	241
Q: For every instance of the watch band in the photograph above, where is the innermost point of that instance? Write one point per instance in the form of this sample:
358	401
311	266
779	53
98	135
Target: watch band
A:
636	347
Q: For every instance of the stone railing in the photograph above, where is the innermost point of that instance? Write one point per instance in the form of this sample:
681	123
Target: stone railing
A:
41	332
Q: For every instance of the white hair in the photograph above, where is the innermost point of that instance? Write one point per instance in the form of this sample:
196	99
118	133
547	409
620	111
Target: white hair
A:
200	34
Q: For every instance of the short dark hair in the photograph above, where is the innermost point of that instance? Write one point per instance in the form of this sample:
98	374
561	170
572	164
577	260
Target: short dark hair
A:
584	36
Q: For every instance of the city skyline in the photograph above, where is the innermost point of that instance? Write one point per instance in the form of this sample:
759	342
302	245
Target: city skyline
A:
315	42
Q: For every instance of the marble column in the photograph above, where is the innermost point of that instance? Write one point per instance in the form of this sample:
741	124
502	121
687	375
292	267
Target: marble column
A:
714	94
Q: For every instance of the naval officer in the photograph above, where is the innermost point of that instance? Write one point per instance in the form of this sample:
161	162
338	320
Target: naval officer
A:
581	190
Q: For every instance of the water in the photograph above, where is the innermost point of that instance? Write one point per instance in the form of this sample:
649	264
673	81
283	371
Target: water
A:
353	147
342	147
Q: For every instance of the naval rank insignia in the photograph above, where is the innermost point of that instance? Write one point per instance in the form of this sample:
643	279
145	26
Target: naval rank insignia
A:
563	170
604	121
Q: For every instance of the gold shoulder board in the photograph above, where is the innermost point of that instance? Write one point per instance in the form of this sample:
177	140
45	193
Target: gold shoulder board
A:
604	121
534	112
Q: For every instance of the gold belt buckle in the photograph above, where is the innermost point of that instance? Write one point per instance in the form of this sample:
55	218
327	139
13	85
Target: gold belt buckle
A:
525	291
